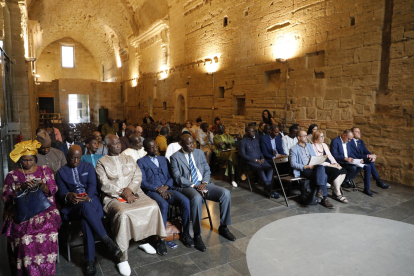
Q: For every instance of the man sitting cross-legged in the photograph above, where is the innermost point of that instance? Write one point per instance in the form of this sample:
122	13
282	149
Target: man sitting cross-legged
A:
137	218
158	185
300	154
192	175
79	199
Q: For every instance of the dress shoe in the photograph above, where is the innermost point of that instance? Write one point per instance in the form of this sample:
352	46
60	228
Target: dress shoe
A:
198	243
368	193
382	185
111	246
234	184
327	204
124	268
273	194
187	241
319	194
90	268
147	248
225	232
161	248
346	184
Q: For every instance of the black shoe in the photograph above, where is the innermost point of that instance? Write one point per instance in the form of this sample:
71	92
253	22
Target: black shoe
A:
346	184
325	203
90	268
199	244
187	241
368	193
382	185
274	194
225	232
161	248
111	246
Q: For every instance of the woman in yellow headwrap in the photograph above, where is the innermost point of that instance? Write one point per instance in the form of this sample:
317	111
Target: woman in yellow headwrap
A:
32	245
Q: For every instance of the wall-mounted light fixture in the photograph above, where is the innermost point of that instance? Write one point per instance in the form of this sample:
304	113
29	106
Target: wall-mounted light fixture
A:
212	64
164	72
134	82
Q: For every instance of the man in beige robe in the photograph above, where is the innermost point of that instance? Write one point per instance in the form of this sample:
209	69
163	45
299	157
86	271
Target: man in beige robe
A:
137	218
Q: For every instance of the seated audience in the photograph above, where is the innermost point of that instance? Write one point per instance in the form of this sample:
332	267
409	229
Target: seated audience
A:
205	138
216	124
109	127
136	151
281	129
91	144
102	150
161	141
36	238
125	144
48	124
336	174
342	152
79	201
174	147
267	118
300	154
122	127
225	151
139	131
192	177
311	130
361	152
291	139
137	218
69	141
260	130
55	143
147	119
271	144
266	129
163	124
51	157
158	185
250	152
197	125
188	127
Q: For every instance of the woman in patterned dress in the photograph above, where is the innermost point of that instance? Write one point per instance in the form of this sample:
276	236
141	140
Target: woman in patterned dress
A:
32	245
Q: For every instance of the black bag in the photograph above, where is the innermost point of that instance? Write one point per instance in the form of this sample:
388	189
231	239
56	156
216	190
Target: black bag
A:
28	204
308	193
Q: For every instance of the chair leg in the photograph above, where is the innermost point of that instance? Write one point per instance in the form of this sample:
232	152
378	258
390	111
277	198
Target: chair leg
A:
208	213
58	253
68	238
281	184
250	185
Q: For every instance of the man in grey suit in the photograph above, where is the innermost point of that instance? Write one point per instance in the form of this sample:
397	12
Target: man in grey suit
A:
192	177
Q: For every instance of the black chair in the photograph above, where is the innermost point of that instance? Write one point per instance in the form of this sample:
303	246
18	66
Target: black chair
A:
244	173
174	212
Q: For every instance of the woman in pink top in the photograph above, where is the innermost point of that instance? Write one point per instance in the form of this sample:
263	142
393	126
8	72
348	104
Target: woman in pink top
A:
333	170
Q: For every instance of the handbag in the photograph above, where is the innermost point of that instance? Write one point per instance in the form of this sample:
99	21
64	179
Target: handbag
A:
173	230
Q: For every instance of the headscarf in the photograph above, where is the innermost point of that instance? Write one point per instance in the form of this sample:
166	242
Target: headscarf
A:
44	138
24	148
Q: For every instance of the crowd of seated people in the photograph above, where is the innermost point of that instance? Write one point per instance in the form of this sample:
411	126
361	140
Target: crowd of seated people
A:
134	180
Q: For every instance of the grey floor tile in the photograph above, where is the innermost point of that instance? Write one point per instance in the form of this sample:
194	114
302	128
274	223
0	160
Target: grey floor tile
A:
219	271
250	227
241	267
181	265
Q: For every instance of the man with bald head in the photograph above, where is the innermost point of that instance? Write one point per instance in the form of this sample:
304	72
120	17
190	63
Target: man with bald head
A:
136	151
133	214
192	177
125	144
51	157
139	130
79	200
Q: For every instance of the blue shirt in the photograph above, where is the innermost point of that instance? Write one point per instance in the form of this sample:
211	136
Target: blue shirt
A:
155	161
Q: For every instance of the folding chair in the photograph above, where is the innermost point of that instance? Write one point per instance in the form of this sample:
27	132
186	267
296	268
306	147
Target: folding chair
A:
244	170
208	214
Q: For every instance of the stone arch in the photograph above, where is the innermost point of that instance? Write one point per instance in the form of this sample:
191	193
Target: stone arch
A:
180	111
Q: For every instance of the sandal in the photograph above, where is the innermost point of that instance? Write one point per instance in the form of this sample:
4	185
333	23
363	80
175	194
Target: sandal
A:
339	198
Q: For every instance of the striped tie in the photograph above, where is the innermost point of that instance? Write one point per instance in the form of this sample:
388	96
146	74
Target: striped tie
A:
194	176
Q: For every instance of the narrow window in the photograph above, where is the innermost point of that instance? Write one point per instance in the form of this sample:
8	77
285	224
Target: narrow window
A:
68	57
221	92
225	21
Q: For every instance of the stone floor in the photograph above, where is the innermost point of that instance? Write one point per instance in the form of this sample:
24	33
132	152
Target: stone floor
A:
250	212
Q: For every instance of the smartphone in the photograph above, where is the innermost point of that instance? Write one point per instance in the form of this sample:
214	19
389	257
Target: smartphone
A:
81	194
171	244
37	179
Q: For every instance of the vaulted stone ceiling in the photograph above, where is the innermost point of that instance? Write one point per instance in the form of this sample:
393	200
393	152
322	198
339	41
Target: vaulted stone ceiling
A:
94	23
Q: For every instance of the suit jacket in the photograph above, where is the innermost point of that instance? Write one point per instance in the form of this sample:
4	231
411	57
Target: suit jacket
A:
181	169
296	159
64	147
148	169
361	151
266	146
66	183
338	152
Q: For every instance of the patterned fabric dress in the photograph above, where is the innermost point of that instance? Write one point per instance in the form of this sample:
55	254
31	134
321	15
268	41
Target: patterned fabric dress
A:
32	245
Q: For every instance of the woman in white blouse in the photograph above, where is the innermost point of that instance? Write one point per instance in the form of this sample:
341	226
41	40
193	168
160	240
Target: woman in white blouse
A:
336	174
189	128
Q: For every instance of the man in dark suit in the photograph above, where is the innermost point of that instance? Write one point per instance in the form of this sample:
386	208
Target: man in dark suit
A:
344	154
125	144
271	144
147	119
79	199
158	185
362	152
192	177
69	141
250	152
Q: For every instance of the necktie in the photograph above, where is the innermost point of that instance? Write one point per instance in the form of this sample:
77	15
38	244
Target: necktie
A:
194	176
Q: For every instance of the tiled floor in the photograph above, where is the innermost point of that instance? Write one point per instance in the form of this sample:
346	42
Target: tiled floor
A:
250	212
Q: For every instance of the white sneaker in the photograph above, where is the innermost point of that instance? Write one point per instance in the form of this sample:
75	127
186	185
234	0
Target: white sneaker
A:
328	186
124	268
147	248
234	184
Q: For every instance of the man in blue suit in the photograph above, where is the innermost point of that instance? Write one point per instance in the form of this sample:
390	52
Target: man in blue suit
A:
344	154
362	152
271	144
158	185
300	155
69	141
79	198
